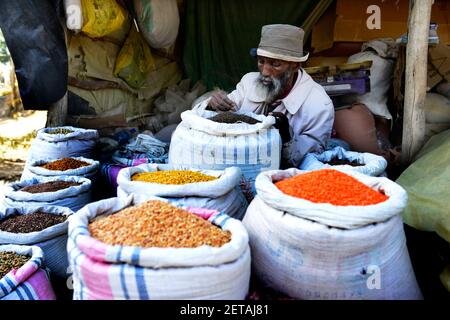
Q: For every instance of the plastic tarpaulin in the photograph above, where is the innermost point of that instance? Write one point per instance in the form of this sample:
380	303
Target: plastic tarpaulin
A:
220	33
35	39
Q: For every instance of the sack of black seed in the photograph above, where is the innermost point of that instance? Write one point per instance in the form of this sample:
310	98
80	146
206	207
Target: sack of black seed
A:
45	227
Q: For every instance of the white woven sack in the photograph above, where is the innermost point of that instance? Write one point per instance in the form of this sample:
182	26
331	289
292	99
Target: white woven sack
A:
52	240
205	144
222	194
88	171
158	21
74	197
345	217
309	260
156	273
373	165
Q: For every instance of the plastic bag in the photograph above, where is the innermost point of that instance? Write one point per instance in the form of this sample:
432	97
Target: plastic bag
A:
134	61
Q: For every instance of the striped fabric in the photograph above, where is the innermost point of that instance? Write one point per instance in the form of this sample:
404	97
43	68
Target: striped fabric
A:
104	272
30	282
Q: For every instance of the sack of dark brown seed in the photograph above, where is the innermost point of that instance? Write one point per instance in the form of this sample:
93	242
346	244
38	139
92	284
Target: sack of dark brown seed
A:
45	227
65	191
23	275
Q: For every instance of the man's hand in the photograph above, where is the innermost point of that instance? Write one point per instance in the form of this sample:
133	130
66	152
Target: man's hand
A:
220	102
282	124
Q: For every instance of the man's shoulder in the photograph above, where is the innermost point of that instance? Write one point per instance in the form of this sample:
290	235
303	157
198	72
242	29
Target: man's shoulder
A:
250	77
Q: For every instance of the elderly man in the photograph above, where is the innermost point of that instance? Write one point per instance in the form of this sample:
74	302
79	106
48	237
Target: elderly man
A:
303	110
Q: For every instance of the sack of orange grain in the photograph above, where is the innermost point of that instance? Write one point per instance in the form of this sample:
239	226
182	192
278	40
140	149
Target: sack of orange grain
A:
210	189
330	234
120	248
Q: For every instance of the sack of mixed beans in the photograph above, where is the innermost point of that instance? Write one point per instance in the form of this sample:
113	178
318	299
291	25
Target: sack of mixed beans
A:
64	191
69	166
22	274
120	248
210	189
327	234
45	227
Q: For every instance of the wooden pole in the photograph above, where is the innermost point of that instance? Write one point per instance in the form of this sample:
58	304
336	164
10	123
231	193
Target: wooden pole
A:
415	79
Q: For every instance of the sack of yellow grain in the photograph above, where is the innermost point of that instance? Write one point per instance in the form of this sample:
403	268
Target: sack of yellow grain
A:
211	189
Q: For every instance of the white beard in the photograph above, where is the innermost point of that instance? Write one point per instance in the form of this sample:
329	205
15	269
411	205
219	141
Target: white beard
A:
272	90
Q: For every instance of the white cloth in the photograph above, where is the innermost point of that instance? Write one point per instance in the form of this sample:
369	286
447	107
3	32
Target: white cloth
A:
308	108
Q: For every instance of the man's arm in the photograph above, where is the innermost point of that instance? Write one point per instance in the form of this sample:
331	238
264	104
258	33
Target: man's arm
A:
220	101
316	126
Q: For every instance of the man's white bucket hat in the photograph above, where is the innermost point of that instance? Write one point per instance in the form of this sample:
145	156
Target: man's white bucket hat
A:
282	42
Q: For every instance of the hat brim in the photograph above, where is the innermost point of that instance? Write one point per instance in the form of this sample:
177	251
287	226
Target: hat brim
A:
278	56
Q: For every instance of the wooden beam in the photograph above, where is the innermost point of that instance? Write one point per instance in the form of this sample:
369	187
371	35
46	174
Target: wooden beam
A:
415	79
57	113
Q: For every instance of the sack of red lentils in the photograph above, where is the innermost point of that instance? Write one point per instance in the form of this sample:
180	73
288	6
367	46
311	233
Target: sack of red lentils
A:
211	189
174	262
328	234
70	166
362	162
200	142
45	227
22	276
64	191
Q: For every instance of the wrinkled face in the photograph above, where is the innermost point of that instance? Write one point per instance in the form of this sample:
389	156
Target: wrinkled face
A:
274	77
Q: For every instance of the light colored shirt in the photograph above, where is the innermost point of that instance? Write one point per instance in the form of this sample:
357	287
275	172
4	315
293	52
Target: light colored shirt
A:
308	108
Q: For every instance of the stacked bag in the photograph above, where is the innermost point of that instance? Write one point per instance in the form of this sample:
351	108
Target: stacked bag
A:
204	144
29	282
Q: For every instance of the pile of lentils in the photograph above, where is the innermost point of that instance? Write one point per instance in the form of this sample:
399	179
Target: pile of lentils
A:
172	177
330	186
231	117
32	222
338	162
60	131
10	261
157	224
50	186
64	164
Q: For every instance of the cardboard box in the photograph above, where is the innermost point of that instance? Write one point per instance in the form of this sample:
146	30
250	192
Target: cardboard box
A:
350	19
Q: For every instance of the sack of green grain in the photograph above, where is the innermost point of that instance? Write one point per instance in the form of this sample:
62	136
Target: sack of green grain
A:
45	227
70	192
310	250
205	144
127	269
185	186
26	278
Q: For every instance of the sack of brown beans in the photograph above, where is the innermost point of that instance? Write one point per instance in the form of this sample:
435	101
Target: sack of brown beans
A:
64	191
121	249
70	166
60	142
23	275
210	189
45	227
362	162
